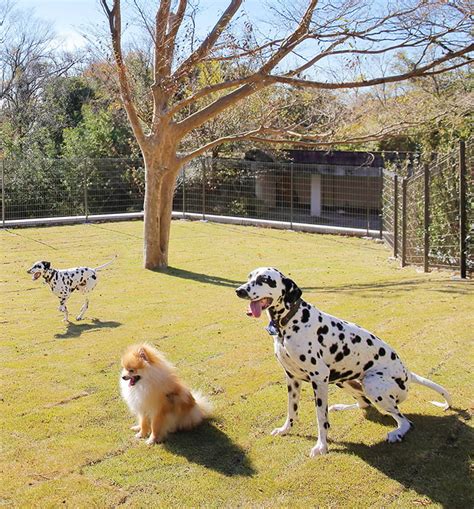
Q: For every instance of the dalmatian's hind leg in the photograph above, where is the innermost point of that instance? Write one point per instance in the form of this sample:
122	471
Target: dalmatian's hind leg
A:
83	309
386	393
353	387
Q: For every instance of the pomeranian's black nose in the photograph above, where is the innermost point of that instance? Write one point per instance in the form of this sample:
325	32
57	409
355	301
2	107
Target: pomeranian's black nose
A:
241	292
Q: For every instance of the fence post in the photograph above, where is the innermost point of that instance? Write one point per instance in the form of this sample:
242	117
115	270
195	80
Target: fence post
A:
404	221
204	188
426	218
184	192
291	195
462	210
381	204
3	193
395	215
86	204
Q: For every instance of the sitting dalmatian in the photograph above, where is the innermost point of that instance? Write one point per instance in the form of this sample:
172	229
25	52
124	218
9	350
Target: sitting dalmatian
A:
318	348
63	282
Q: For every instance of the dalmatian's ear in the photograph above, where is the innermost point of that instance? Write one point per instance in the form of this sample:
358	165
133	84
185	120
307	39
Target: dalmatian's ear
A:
292	291
46	265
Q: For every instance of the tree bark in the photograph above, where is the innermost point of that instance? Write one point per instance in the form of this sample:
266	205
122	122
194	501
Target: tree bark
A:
160	179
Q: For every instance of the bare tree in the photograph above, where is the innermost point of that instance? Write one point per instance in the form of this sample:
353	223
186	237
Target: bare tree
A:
29	58
319	36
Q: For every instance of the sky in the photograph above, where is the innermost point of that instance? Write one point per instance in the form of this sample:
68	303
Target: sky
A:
70	16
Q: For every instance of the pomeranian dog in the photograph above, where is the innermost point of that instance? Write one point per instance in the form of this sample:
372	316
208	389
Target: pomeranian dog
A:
154	393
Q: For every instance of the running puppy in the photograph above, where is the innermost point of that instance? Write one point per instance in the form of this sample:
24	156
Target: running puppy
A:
63	282
318	348
155	394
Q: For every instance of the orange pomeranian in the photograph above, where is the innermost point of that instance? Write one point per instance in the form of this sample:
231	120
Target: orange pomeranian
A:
155	394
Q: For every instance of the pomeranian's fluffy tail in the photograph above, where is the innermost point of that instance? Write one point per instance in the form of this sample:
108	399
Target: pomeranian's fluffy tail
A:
204	405
100	267
441	390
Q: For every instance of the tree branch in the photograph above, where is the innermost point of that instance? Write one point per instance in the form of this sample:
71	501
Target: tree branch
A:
114	17
210	40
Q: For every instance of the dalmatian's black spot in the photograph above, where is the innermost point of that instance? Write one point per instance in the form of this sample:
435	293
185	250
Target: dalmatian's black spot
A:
289	388
313	360
400	383
302	358
376	357
339	326
393	356
345	350
382	352
379	398
332	324
368	365
333	348
295	407
339	357
288	374
319	402
341	336
370	342
356	339
295	328
297	384
320	318
322	330
321	340
305	316
326	425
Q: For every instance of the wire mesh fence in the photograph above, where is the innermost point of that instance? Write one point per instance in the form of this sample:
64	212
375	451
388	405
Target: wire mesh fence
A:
339	196
424	211
428	213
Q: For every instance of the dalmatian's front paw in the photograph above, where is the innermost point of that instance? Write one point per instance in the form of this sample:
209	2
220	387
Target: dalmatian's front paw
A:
318	450
394	437
281	431
79	318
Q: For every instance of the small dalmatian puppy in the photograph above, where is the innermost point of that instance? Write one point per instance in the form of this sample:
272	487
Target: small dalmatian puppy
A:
315	347
64	282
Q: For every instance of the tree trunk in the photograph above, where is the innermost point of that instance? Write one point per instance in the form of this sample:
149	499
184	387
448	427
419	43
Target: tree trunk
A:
160	183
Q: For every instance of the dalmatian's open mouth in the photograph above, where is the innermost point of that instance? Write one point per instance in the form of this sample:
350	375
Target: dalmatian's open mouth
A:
257	306
36	275
132	379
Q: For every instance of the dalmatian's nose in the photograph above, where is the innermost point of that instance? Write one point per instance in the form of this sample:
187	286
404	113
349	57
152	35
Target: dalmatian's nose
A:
241	292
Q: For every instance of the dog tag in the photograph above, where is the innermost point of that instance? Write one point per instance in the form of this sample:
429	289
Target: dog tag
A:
271	329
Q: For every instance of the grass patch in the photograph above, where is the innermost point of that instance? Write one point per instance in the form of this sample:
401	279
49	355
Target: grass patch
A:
64	435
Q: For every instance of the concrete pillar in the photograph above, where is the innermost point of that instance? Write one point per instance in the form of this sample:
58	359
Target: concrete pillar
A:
316	195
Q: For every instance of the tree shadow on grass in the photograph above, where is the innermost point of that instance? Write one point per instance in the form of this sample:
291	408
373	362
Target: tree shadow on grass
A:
433	459
201	278
74	330
207	445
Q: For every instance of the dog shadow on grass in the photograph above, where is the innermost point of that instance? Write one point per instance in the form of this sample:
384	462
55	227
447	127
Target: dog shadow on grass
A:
74	330
210	447
433	460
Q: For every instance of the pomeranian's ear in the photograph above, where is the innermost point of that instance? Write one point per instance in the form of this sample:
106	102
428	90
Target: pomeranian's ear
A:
142	353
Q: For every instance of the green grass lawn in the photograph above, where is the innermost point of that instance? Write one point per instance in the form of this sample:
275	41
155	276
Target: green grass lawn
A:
64	434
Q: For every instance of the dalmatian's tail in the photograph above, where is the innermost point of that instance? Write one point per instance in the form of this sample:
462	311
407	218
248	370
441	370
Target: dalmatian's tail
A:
100	267
441	390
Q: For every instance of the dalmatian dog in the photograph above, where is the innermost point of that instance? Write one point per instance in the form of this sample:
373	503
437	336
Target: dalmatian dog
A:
321	349
65	281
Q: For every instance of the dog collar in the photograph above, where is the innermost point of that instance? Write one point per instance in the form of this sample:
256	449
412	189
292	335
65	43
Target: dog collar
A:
274	327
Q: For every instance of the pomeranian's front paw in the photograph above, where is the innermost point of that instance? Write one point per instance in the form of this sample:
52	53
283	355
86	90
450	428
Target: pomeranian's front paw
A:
140	434
135	428
154	440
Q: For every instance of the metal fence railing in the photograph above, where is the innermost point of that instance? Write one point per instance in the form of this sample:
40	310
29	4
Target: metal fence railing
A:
428	216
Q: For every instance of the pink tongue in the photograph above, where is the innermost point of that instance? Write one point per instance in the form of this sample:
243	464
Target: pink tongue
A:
255	308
